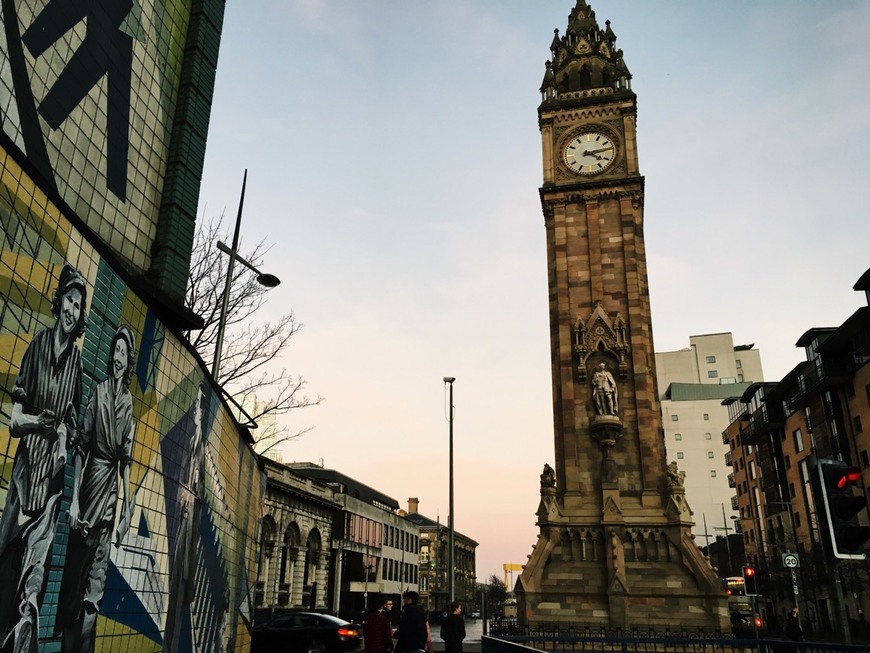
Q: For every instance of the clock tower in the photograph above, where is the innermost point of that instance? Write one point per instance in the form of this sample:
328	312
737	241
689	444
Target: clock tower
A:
615	545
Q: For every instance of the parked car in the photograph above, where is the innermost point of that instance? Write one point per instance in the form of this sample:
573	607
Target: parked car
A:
305	632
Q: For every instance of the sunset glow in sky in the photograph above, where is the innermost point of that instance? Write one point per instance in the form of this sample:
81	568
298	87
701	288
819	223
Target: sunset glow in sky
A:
394	161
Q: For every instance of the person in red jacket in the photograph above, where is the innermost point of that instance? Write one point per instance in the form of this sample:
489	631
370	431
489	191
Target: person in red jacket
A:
377	633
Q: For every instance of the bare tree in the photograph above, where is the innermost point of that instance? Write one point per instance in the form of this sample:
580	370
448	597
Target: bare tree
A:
251	349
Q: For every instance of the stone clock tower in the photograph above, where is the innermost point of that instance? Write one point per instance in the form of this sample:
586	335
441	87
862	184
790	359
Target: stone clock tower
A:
615	545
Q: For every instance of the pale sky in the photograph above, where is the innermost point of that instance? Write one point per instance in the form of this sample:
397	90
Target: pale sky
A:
394	161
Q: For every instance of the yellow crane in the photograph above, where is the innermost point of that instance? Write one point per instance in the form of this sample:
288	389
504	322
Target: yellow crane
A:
509	568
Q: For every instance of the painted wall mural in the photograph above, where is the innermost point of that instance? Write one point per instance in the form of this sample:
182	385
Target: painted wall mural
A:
129	502
88	90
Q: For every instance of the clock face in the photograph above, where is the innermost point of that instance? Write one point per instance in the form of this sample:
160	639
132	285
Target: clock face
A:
590	153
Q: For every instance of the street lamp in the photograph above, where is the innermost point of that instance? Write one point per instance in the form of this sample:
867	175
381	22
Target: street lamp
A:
450	530
266	280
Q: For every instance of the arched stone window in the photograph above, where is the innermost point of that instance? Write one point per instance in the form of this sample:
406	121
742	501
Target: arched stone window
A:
289	552
313	549
267	552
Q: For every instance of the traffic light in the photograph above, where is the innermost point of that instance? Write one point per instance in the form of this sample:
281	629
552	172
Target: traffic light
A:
841	507
750	581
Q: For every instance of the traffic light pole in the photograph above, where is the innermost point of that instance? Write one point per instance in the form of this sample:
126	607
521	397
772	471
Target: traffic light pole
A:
840	602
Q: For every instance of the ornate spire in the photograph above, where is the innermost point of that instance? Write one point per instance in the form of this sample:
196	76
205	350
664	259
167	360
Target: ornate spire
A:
585	61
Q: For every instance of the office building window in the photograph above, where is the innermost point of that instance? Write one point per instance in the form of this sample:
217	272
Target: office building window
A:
865	460
675	418
711	359
678	436
738	364
680	455
858	427
787	460
712	374
708	436
712	473
706	417
710	454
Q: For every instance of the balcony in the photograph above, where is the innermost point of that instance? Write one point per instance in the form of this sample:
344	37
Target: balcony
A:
728	460
731	481
734	504
821	373
725	437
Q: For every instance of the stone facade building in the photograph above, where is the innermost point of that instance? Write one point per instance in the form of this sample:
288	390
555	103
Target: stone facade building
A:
296	541
434	542
374	550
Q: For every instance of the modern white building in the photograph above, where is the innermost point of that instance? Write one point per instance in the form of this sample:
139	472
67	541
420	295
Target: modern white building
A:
692	384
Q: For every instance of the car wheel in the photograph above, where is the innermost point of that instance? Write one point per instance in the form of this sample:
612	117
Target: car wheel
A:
316	647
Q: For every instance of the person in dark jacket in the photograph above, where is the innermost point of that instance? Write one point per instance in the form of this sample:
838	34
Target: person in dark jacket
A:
413	631
376	629
793	626
453	629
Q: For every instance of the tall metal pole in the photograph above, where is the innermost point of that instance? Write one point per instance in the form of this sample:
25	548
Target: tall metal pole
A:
727	542
222	323
450	526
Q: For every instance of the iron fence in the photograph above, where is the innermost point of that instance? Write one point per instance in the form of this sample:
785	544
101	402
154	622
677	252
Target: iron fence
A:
507	637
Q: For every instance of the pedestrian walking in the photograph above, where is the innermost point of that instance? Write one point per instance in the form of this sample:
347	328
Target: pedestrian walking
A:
413	633
453	629
377	633
793	627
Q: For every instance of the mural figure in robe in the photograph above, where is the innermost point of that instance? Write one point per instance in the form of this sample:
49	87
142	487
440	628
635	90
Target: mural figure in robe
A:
45	403
102	455
184	558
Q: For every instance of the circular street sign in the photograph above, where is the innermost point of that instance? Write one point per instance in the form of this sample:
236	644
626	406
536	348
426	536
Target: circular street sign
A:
790	560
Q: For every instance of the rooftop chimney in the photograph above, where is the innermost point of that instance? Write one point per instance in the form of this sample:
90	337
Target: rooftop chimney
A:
413	504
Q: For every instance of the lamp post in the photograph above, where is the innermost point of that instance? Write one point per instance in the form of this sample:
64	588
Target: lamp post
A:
266	280
450	530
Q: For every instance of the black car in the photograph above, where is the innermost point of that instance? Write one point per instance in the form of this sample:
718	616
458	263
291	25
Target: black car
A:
305	632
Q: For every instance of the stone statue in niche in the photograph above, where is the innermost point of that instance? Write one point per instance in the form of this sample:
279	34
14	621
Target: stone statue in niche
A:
604	391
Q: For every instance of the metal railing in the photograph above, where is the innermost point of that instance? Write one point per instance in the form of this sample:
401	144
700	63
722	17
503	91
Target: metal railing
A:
662	639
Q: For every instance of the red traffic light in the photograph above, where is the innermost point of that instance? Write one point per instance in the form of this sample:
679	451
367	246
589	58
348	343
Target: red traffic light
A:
842	503
847	477
748	571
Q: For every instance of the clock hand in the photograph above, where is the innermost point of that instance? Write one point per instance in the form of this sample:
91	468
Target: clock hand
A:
603	149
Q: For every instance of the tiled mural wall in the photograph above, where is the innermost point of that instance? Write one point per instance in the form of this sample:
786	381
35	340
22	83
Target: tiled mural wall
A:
102	79
128	498
129	501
